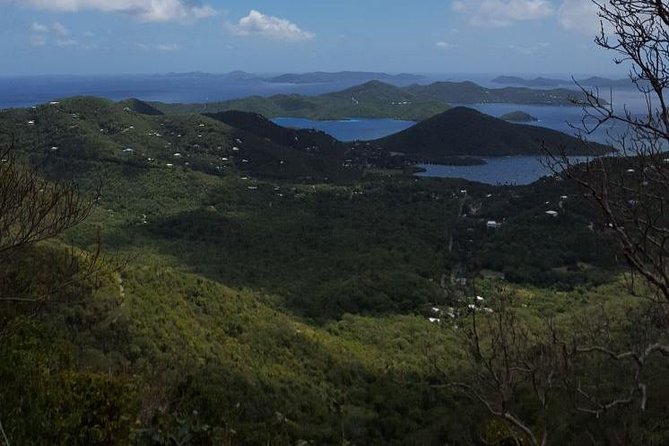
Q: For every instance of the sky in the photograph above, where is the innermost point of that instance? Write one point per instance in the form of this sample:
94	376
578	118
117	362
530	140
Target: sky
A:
271	36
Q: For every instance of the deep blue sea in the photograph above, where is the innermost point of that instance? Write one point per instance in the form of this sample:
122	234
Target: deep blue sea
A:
26	91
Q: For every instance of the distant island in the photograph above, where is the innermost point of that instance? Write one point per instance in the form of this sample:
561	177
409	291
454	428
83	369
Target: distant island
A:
542	82
518	116
344	76
376	100
538	82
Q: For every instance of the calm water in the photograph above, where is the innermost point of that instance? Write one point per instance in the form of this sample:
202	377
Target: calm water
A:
564	119
514	170
352	129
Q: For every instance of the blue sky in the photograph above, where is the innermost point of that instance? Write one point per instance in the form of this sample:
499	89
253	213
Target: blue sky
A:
270	36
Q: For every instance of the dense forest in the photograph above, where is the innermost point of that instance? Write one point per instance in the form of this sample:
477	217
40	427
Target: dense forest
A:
211	301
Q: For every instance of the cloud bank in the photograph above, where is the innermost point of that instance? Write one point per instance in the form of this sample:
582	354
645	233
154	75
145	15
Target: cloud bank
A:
572	15
580	16
143	10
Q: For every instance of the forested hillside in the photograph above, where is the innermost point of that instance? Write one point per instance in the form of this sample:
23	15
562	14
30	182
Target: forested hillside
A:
251	291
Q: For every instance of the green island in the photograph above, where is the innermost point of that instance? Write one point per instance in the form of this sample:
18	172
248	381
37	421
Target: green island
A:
376	99
518	116
260	285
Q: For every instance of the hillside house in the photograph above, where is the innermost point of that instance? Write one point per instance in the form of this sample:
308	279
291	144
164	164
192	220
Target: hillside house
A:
492	224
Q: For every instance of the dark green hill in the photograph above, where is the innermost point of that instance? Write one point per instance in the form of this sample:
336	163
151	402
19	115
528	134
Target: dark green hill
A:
304	140
373	92
463	131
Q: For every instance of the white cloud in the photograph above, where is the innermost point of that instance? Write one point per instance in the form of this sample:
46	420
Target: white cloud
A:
67	42
162	47
498	13
168	47
143	10
39	28
459	6
60	29
56	34
259	24
447	45
580	16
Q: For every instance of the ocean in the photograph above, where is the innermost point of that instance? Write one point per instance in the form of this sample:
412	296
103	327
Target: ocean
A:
26	91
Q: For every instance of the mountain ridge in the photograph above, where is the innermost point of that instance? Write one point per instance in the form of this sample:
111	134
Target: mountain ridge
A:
377	99
542	82
343	76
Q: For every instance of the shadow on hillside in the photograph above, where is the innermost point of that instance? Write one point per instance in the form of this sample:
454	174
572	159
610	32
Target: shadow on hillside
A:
324	254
